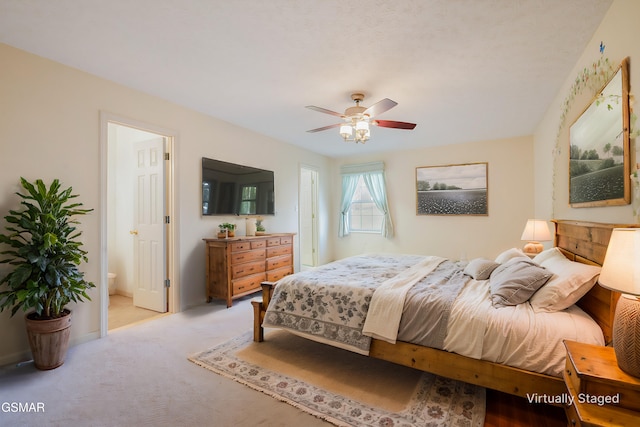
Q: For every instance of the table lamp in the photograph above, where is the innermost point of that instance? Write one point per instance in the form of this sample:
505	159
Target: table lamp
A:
621	273
535	231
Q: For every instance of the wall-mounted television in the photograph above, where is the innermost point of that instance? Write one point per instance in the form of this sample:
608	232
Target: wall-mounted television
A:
232	189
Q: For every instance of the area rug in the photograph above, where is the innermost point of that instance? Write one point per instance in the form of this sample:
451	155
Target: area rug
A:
344	388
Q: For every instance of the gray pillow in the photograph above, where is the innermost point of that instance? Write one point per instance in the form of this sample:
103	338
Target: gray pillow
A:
514	282
480	268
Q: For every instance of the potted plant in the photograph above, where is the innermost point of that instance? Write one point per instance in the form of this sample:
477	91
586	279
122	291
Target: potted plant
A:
45	253
226	230
259	227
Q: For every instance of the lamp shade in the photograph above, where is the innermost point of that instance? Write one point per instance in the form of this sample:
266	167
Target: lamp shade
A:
536	230
346	131
621	267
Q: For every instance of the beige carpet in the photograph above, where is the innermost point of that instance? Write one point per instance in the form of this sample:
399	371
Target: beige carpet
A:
341	387
140	376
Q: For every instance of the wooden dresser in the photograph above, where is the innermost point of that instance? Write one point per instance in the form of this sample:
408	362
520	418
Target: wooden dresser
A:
237	266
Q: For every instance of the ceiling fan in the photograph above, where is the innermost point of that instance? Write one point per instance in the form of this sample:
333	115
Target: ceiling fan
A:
357	119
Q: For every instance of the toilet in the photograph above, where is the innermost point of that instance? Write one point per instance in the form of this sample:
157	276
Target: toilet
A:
112	284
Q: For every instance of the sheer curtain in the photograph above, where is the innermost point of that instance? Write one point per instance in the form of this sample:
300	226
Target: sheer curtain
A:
349	184
376	185
373	176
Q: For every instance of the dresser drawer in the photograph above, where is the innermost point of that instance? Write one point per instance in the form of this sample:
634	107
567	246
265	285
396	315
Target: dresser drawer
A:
240	246
278	250
245	269
247	284
247	256
278	262
275	275
273	241
257	244
286	240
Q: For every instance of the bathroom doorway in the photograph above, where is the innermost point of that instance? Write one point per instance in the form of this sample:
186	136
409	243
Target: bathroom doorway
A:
136	224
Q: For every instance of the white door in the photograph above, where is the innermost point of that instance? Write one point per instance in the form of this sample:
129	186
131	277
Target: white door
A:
149	226
308	217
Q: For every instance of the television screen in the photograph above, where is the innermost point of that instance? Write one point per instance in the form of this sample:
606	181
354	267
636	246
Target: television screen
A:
231	189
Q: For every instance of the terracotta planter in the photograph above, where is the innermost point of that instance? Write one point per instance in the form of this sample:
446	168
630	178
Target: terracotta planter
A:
49	340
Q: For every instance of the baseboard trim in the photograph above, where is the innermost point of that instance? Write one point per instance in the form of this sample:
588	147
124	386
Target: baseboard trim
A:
24	356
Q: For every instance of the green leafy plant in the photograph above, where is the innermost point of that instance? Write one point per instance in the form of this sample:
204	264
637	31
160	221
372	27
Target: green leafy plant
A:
259	226
228	226
45	252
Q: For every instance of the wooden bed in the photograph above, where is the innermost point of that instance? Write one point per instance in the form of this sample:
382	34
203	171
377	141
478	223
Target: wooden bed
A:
584	242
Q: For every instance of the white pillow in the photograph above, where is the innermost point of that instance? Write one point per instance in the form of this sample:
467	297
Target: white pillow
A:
508	254
547	254
571	281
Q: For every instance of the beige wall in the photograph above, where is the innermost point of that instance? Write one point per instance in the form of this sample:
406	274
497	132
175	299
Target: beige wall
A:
50	128
620	33
510	202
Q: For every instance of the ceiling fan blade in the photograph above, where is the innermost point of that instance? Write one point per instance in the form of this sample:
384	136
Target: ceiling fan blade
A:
325	128
394	124
380	107
323	110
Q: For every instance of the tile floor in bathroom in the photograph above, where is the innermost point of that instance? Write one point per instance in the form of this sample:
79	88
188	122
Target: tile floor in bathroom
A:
122	312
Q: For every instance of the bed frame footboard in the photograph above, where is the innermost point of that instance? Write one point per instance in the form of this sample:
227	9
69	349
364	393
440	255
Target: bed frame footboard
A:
260	308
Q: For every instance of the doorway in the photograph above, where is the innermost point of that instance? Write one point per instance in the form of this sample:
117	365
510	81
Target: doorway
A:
308	217
137	203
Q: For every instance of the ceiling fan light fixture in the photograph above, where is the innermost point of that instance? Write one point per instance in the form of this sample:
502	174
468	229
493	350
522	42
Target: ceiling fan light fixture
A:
362	130
362	126
358	119
346	131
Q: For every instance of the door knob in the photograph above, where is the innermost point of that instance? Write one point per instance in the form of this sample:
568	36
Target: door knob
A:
134	232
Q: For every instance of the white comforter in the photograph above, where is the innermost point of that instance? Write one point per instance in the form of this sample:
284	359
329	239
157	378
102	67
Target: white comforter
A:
515	336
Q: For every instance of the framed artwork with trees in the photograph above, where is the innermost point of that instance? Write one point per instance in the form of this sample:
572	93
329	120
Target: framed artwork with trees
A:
452	189
599	167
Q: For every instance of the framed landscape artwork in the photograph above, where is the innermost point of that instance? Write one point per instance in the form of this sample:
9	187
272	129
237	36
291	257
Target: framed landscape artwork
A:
452	189
599	166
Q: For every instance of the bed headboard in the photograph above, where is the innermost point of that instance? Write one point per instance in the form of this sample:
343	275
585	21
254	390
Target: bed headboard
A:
586	242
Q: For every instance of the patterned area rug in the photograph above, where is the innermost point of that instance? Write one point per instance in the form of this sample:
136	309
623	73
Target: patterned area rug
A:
344	388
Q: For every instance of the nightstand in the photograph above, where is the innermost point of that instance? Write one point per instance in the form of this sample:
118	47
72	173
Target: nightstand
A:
599	393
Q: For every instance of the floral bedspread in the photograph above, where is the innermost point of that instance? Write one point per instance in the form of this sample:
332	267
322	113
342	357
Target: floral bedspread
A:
330	303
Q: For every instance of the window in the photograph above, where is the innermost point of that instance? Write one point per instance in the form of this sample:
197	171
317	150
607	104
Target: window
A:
364	216
248	202
364	205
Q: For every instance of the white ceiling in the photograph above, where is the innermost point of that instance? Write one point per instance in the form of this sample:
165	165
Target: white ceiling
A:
463	70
